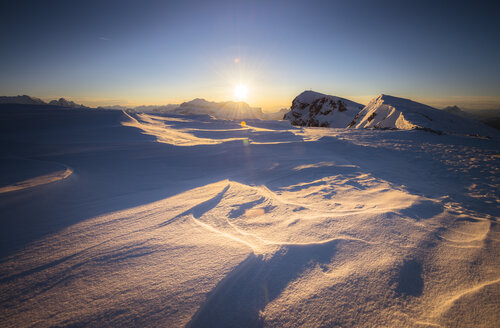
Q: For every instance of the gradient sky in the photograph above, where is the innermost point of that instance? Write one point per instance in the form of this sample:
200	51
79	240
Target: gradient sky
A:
159	52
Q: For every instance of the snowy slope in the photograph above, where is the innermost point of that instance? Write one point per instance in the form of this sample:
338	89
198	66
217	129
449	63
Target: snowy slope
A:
223	110
188	221
316	109
388	112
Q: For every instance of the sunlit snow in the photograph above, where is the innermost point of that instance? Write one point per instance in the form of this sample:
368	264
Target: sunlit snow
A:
146	220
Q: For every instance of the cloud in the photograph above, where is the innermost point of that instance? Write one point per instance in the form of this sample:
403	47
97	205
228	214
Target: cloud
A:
102	38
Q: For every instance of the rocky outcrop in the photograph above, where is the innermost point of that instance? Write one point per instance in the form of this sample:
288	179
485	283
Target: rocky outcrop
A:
319	110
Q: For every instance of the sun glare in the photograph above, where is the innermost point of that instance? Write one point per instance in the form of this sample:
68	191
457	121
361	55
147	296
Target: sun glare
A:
240	92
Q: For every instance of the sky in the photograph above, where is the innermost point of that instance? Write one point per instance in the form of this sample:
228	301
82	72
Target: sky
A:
159	52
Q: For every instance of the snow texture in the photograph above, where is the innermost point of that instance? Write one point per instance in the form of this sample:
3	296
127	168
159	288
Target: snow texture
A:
188	221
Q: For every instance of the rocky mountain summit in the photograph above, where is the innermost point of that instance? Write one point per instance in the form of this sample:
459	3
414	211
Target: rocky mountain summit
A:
319	110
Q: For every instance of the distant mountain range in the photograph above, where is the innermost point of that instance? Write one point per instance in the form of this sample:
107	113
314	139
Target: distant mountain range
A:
490	117
226	110
319	110
24	100
65	103
457	111
222	110
27	100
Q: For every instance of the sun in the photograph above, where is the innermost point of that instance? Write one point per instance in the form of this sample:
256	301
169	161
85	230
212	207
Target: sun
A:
240	92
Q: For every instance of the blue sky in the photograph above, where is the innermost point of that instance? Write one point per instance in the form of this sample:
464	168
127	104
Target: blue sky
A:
158	52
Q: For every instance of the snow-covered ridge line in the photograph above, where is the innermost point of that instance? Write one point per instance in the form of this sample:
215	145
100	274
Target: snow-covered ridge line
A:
389	112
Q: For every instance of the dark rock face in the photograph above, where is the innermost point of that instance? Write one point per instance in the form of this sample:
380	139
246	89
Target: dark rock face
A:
353	121
318	110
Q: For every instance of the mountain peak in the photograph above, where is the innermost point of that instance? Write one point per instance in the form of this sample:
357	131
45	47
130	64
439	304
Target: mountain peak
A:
65	103
24	99
312	108
224	110
453	109
390	112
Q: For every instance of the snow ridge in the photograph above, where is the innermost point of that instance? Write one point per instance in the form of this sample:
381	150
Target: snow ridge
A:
389	112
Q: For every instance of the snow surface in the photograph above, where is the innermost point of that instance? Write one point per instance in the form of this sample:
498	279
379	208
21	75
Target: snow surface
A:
316	109
388	112
180	220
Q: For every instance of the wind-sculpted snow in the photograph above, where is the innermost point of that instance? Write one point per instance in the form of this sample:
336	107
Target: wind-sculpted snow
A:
193	135
21	174
179	220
